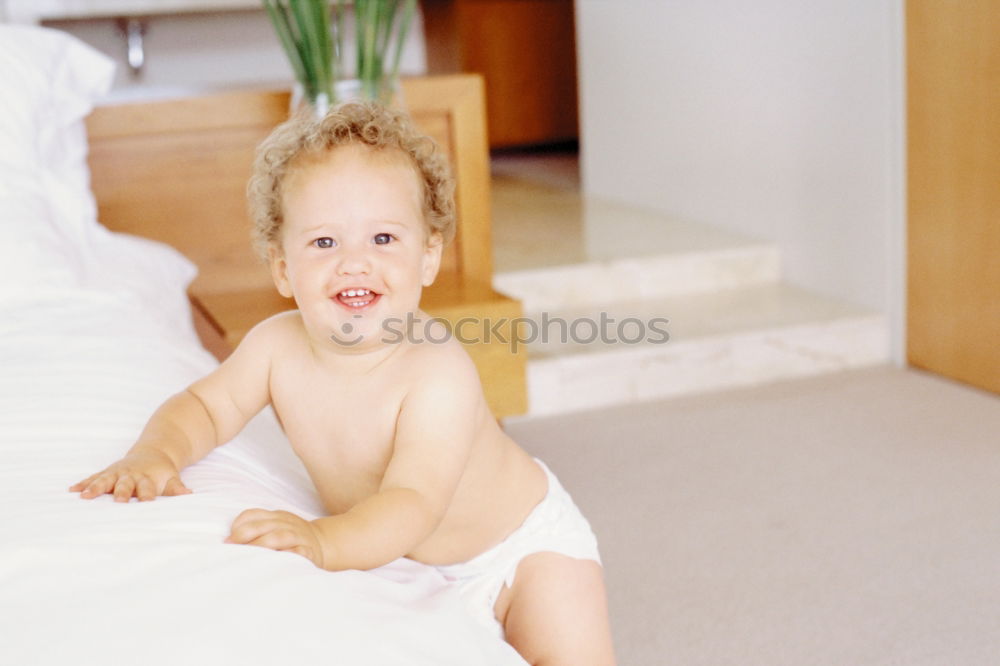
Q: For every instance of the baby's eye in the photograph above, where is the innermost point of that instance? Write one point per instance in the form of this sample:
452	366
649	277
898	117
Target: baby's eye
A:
324	242
383	239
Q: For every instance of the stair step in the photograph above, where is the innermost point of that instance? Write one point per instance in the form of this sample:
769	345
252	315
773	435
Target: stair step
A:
651	277
717	340
555	249
731	322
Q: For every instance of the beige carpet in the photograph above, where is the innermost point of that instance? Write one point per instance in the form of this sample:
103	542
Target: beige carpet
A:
849	520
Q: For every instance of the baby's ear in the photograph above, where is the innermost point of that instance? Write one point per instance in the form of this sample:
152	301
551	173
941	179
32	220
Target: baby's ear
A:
279	270
432	257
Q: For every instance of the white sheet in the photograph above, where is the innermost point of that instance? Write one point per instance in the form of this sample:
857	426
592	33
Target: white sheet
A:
87	582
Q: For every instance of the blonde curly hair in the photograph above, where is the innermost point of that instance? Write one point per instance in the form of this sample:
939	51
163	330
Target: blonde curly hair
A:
366	123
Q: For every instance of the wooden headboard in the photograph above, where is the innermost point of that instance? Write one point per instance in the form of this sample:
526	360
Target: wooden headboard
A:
176	171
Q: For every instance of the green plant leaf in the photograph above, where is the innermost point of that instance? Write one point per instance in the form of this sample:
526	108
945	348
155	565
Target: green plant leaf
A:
311	33
280	21
321	11
339	55
409	8
311	56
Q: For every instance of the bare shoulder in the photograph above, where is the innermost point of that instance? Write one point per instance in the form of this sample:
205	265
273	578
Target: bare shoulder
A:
258	346
276	333
442	382
281	326
240	386
437	359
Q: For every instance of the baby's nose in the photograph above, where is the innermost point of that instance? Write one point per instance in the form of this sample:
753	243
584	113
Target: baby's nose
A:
354	262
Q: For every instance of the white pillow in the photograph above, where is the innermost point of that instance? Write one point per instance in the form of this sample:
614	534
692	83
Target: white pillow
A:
47	212
50	82
147	279
150	277
34	254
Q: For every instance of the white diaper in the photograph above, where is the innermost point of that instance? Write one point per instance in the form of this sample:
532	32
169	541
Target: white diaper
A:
555	525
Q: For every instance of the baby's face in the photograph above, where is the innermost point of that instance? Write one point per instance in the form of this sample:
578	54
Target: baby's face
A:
354	246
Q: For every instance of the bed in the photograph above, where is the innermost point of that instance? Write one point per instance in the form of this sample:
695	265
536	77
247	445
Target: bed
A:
96	330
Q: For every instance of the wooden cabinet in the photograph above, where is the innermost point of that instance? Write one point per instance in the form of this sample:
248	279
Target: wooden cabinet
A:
526	52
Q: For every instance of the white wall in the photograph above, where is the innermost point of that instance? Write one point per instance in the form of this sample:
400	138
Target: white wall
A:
211	50
780	119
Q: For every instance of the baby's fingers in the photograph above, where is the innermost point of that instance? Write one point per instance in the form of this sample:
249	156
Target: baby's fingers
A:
175	486
277	538
145	490
124	488
100	484
249	516
250	525
80	485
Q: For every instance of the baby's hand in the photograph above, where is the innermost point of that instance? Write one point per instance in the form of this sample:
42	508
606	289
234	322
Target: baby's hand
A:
142	474
278	530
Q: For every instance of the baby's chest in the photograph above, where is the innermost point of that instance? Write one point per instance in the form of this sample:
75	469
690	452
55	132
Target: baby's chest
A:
344	435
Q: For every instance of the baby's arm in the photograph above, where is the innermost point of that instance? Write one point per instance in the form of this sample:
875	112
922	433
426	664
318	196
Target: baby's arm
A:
189	425
434	436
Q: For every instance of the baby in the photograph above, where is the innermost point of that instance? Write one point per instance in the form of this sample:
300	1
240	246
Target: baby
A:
352	213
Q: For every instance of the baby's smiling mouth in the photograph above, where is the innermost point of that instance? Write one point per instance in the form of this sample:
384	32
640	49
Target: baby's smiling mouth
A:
357	298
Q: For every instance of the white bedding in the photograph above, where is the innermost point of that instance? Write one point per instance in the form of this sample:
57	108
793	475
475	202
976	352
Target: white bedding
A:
95	332
88	582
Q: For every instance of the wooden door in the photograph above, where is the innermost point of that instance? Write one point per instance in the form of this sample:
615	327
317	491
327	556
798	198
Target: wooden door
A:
526	52
953	127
